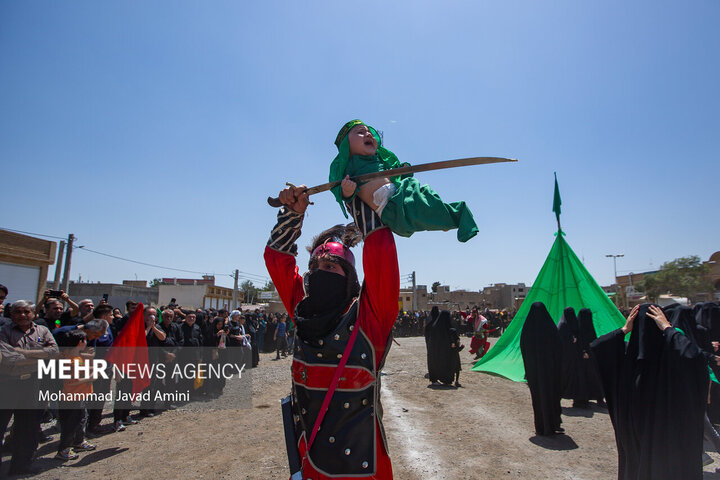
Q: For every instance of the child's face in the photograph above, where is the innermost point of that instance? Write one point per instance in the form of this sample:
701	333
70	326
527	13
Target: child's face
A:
362	141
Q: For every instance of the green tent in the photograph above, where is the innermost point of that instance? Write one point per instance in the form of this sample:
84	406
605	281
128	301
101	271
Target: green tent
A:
562	282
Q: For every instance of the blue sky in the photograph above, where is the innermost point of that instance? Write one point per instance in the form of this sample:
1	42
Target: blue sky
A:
155	130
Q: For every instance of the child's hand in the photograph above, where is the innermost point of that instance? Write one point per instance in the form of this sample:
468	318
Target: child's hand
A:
348	187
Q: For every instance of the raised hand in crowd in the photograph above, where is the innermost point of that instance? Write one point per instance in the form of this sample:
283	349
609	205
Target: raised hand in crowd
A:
657	314
48	294
627	328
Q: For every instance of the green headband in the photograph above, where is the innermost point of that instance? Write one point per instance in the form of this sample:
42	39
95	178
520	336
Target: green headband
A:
349	126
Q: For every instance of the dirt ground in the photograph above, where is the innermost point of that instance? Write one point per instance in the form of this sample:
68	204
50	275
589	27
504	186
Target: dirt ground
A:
483	430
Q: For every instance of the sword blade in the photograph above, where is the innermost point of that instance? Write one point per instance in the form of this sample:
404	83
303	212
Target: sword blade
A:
395	172
423	167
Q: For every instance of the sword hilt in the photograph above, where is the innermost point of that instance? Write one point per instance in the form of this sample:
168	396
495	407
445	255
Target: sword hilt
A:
275	201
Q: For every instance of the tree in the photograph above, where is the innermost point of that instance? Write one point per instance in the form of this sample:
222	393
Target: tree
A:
685	277
250	291
269	286
155	282
435	286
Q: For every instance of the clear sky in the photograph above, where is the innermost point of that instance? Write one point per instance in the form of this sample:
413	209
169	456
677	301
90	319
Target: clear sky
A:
155	130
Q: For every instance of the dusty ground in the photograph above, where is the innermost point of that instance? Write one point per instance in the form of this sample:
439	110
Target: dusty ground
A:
481	431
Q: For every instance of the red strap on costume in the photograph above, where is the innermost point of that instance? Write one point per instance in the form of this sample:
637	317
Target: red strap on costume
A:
333	385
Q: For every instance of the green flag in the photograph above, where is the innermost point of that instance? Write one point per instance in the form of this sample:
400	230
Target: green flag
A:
557	201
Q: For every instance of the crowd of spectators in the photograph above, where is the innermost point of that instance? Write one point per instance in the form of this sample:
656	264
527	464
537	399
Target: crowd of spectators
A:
59	327
412	324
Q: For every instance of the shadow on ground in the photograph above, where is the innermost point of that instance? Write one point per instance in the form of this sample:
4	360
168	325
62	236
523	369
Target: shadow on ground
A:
587	412
554	442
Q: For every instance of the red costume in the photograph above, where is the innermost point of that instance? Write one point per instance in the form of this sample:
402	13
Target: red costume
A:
351	442
481	329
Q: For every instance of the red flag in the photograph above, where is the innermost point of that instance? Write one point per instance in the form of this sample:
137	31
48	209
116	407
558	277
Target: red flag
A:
130	348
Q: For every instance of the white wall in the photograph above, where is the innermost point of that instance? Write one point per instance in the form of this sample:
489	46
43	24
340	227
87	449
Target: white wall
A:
21	281
186	295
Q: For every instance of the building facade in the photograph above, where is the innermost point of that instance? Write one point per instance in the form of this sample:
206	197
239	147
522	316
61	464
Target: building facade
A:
407	299
500	296
24	263
117	295
503	296
196	293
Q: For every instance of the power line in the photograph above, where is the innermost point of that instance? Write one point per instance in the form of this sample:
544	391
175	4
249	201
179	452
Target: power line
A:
242	277
35	234
82	247
262	277
246	275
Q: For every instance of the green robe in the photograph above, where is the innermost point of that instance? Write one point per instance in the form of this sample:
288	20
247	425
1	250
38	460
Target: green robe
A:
414	207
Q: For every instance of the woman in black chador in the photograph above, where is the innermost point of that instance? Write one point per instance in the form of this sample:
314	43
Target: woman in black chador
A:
592	388
442	346
542	353
707	331
656	391
572	385
433	318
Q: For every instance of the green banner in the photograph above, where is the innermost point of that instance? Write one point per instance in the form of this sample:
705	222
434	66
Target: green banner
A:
562	282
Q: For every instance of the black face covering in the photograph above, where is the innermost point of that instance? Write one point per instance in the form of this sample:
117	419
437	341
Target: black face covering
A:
319	312
325	291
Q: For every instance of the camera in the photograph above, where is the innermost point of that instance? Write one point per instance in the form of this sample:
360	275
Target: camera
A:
56	293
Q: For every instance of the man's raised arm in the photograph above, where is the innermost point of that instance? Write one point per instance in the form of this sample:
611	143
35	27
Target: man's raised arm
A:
281	248
381	286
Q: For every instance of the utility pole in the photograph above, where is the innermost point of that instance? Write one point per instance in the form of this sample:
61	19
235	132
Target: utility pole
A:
68	259
58	265
615	282
414	290
235	291
615	257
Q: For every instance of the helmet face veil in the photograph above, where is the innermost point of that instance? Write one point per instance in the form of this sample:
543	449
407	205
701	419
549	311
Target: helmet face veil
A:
353	285
334	245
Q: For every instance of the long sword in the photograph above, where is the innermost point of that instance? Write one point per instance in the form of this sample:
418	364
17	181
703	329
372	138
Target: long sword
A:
394	172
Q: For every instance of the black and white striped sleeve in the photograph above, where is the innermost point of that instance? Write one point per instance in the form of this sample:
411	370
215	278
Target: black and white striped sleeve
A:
286	231
364	216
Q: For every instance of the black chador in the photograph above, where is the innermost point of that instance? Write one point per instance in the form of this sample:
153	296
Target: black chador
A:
442	366
656	391
588	367
542	353
707	322
434	314
572	385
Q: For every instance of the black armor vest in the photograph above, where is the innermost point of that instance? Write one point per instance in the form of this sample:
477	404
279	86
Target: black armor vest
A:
346	441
